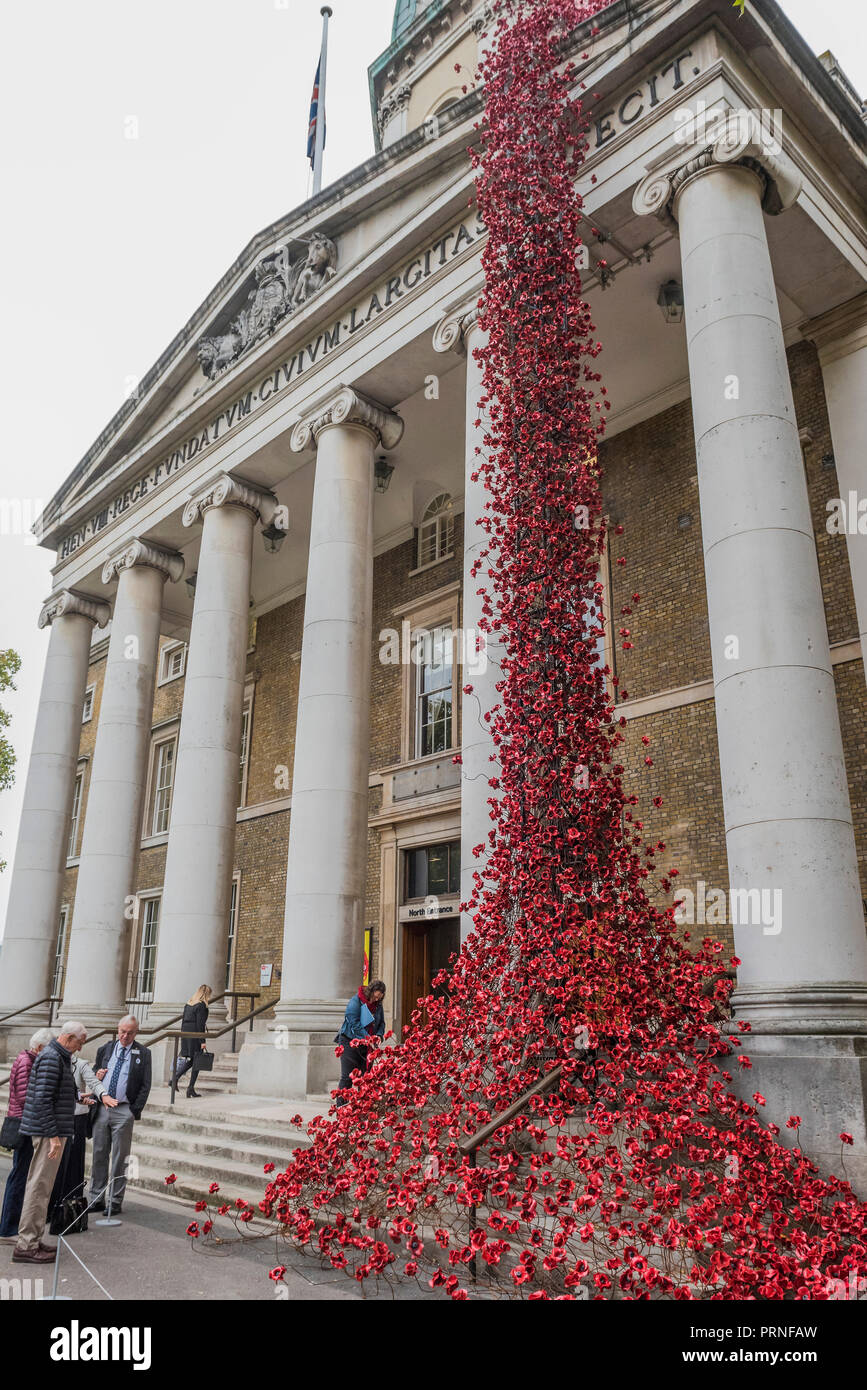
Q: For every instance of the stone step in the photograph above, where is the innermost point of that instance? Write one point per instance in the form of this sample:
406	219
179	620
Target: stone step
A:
226	1141
151	1177
214	1139
244	1166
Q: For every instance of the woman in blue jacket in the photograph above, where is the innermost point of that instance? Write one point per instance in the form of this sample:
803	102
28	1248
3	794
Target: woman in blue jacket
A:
364	1019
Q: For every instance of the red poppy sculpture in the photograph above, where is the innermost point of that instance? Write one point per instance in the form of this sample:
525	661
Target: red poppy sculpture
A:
558	1121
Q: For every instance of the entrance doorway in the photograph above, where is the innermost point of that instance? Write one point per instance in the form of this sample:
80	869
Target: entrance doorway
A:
427	946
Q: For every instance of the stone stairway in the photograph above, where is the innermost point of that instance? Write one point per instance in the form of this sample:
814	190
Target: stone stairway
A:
221	1138
223	1080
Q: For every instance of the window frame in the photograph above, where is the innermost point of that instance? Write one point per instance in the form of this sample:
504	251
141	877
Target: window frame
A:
167	652
168	730
146	901
454	847
160	746
246	744
232	937
73	849
440	608
88	703
420	695
58	977
444	522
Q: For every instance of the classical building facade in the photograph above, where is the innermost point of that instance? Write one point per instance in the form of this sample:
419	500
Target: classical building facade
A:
244	762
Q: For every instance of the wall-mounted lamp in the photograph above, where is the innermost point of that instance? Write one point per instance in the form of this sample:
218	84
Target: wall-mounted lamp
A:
273	538
670	301
191	584
382	473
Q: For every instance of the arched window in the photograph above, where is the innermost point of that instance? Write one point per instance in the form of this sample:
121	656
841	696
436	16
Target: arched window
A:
437	530
404	14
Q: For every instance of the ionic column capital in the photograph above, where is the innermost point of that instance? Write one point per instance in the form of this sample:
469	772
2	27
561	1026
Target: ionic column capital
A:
225	490
67	601
168	562
349	407
454	329
743	143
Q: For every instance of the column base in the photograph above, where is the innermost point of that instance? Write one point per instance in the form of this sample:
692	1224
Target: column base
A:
16	1034
834	1007
822	1078
95	1018
290	1063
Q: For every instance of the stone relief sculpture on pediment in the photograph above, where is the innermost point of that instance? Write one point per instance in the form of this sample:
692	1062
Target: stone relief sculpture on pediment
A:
281	286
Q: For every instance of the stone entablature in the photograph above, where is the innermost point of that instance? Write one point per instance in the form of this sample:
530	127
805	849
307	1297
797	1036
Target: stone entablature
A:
434	258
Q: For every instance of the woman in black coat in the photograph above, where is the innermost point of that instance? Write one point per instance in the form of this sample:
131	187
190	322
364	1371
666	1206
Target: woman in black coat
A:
194	1020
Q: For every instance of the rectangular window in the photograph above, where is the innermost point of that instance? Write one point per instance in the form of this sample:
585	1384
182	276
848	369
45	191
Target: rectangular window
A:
434	691
246	723
164	776
73	825
87	707
147	961
435	869
59	954
173	661
233	927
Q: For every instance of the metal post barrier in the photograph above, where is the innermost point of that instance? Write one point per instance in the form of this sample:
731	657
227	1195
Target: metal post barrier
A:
174	1085
54	1296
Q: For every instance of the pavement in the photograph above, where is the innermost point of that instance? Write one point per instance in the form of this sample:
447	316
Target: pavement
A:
150	1257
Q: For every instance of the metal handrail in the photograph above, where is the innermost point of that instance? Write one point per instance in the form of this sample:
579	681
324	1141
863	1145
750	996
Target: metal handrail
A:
179	1033
51	999
160	1035
470	1146
146	1033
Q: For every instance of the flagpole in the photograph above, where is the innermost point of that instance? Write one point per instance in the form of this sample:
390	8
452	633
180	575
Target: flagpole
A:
326	13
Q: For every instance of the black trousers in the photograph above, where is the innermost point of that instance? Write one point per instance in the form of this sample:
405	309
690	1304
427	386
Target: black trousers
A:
69	1181
13	1196
184	1064
351	1059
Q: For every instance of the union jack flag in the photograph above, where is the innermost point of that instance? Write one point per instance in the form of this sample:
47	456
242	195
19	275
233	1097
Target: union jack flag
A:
314	117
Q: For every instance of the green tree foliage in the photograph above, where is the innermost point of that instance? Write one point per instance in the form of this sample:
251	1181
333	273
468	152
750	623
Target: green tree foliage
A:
10	665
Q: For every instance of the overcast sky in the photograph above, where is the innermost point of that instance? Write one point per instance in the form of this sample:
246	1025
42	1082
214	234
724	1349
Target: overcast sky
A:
109	243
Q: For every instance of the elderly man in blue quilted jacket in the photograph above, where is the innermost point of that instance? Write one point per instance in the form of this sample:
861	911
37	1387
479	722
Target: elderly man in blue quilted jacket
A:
49	1119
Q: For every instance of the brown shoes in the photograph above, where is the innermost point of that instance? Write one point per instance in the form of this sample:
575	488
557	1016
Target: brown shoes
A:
39	1256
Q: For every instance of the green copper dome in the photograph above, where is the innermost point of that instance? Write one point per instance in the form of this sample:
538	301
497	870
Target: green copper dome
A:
404	14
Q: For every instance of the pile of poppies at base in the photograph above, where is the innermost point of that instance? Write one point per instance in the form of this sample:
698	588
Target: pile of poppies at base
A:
637	1173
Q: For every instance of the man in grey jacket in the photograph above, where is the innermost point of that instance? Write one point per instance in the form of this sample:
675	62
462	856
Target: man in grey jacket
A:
49	1115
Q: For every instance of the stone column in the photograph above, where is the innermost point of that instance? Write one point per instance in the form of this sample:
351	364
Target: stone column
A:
460	332
194	920
33	915
323	935
802	983
841	339
96	973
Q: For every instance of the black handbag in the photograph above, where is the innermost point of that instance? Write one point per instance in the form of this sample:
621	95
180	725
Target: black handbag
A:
70	1217
203	1061
10	1134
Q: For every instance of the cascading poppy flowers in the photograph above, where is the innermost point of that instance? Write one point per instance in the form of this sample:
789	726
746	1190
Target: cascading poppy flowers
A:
637	1173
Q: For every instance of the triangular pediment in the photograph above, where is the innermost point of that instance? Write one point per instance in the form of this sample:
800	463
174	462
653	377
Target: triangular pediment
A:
286	282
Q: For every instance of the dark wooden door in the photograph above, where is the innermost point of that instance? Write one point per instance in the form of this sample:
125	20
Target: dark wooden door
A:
416	970
427	947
